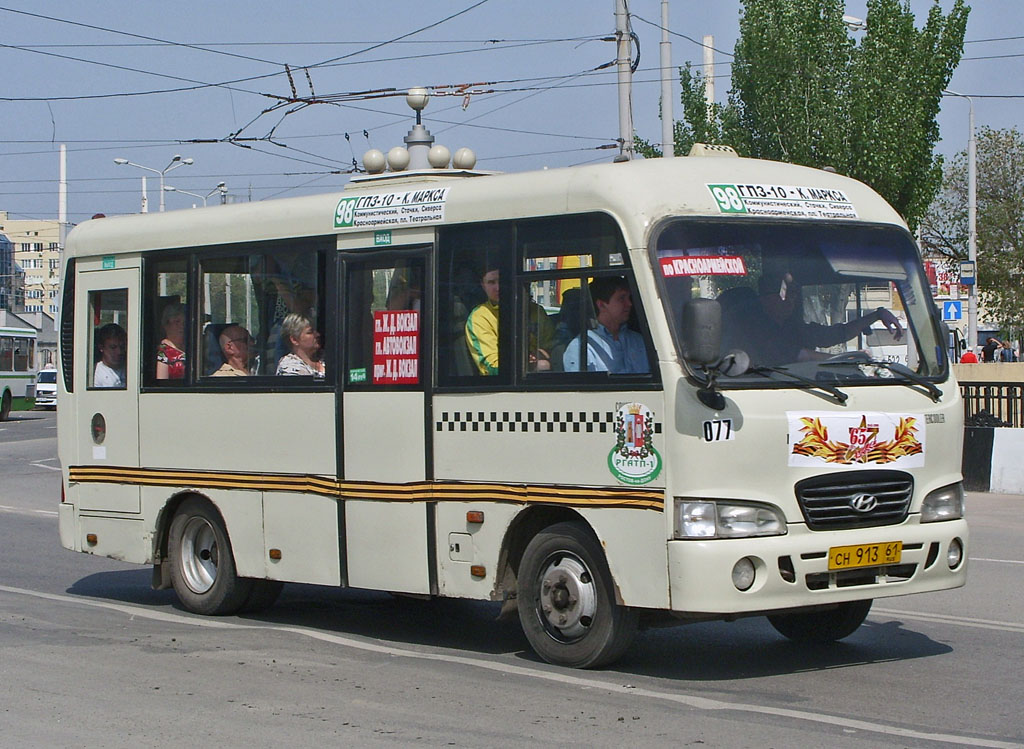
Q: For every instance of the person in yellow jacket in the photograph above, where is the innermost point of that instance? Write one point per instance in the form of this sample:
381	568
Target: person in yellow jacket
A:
482	330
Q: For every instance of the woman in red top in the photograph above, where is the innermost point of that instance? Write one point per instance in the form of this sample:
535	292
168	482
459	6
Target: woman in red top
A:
969	357
170	355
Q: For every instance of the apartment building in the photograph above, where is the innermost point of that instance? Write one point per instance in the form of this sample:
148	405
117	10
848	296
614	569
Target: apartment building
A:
36	245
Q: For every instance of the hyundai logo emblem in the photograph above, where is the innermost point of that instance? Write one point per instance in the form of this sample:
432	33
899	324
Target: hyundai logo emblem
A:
864	502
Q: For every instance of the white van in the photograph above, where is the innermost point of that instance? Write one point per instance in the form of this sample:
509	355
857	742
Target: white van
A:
46	388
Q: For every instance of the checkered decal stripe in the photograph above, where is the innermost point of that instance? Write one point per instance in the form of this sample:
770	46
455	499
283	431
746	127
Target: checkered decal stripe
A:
529	421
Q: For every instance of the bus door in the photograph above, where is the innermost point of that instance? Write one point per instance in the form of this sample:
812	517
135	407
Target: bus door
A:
106	384
384	445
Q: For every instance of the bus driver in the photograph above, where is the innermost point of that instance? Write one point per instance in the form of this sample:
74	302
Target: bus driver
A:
771	328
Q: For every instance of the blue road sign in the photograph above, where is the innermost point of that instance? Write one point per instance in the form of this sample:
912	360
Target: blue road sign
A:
952	311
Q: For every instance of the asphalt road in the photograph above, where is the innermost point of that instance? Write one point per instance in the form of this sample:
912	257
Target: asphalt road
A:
91	656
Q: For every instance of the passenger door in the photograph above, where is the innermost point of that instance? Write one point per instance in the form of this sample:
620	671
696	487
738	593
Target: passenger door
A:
107	428
384	448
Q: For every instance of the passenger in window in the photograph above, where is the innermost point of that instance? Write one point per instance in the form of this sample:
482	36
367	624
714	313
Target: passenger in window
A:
111	341
482	330
404	292
235	343
304	358
170	355
611	346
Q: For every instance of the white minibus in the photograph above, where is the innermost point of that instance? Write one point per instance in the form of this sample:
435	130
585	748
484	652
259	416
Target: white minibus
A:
606	396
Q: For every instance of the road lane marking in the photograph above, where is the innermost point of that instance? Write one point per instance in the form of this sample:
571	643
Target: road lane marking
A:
1000	561
560	677
49	468
962	621
26	511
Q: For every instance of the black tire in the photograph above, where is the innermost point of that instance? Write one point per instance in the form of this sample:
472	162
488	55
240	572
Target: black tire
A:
566	605
263	595
822	626
5	406
202	564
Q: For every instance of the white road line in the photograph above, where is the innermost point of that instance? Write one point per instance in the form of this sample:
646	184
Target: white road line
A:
1000	561
26	511
960	621
49	468
560	677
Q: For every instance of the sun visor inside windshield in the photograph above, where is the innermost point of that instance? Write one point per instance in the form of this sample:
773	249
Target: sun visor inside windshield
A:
869	261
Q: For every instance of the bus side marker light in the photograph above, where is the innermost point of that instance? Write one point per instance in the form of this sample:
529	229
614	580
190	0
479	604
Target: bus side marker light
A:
275	554
478	570
475	516
90	538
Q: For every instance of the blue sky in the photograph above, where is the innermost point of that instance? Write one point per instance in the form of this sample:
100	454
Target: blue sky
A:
539	103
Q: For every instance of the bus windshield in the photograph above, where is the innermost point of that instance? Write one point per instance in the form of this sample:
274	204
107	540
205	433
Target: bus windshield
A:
834	303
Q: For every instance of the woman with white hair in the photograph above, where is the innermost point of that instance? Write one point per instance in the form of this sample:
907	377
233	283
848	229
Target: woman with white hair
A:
298	333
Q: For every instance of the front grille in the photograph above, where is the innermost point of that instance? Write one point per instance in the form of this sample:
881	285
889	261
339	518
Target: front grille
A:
827	502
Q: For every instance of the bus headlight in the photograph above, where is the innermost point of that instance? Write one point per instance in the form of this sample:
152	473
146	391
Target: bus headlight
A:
946	503
723	519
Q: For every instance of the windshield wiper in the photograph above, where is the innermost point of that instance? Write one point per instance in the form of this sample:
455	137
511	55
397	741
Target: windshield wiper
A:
835	392
932	391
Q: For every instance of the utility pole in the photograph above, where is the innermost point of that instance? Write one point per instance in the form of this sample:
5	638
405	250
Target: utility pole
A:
709	71
624	59
972	224
668	144
62	198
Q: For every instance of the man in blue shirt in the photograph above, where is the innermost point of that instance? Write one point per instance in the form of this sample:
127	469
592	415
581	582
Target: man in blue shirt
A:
611	346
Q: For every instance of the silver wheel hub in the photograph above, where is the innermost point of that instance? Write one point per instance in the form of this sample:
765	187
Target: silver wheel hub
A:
568	597
199	555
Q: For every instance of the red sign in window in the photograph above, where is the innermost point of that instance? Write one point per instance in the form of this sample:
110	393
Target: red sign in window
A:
396	347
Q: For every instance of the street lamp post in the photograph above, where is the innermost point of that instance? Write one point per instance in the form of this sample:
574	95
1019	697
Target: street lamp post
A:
221	188
972	225
176	161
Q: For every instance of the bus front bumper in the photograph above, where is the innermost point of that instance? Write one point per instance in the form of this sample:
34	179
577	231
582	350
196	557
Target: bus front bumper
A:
792	571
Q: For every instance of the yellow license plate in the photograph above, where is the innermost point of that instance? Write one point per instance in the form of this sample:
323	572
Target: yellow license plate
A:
864	555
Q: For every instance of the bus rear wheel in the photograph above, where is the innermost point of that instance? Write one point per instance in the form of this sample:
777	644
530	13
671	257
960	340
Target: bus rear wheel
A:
202	565
566	605
822	626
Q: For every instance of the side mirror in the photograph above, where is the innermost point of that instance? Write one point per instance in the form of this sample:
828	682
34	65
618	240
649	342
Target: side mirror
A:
702	331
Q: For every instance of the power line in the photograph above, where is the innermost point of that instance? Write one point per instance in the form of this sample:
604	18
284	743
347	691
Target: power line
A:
399	38
316	43
139	36
683	36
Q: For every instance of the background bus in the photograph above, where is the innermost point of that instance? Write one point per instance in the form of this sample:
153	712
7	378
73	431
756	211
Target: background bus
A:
17	365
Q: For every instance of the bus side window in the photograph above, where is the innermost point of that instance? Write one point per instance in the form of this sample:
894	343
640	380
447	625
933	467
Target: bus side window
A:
291	286
108	344
168	348
475	311
232	338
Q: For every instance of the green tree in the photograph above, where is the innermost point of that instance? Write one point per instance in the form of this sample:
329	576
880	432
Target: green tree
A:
804	92
1000	224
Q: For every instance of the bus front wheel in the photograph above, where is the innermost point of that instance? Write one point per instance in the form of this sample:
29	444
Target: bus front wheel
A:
822	626
202	565
566	602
